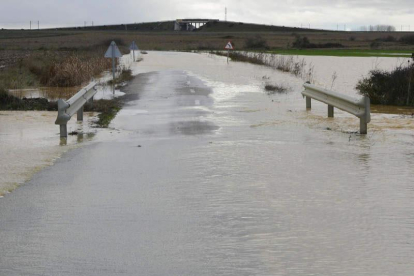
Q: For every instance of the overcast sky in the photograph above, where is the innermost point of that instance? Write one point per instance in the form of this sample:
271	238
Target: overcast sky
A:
318	13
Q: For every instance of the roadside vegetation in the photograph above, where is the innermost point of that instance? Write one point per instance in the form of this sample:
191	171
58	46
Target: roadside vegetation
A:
389	88
304	43
124	75
274	88
9	102
107	110
288	64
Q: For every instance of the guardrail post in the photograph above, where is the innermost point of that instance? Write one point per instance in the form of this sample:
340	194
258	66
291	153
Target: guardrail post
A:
330	111
361	108
364	120
64	131
363	126
66	109
308	102
80	114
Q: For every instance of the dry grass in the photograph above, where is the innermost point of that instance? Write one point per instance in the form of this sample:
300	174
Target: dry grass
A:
74	70
289	64
275	88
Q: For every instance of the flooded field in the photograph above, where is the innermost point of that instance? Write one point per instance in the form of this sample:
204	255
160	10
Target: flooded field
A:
29	141
215	177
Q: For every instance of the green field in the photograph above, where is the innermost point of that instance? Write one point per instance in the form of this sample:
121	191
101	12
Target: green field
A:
345	52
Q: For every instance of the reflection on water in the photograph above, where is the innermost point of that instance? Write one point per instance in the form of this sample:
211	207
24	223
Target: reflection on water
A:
50	93
390	109
285	191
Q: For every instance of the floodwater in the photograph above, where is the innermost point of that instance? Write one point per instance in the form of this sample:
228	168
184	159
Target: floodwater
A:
29	141
214	177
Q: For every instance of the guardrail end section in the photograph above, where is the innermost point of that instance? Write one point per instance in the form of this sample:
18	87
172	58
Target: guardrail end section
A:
62	117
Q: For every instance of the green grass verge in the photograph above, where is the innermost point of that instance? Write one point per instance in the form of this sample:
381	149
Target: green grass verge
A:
107	108
344	52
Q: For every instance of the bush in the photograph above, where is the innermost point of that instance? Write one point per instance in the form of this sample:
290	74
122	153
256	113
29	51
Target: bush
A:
375	45
301	42
408	39
304	43
273	89
256	42
388	88
389	38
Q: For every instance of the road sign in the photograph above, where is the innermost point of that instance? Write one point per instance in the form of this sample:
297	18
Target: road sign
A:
113	52
229	46
133	48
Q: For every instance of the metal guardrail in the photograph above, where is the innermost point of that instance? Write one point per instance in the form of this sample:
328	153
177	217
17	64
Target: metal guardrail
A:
358	107
66	109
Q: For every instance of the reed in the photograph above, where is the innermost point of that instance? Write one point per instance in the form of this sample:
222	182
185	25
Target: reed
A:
74	70
288	64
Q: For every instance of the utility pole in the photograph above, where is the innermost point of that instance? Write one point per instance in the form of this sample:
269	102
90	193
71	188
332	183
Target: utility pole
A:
38	25
225	14
30	24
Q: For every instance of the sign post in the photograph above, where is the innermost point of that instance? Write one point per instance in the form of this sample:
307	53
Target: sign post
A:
133	47
113	52
228	47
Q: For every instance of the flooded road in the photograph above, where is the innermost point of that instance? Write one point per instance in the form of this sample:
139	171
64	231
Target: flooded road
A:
214	177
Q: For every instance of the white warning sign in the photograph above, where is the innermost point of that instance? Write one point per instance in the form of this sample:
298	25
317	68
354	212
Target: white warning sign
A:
113	51
229	46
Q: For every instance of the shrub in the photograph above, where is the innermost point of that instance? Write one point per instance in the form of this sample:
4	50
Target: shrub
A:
304	43
375	45
408	39
273	89
389	38
256	42
390	88
301	42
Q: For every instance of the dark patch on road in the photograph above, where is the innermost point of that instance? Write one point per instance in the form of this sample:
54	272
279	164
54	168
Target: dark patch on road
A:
193	128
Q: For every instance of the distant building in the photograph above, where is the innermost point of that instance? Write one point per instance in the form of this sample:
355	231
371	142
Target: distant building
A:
191	24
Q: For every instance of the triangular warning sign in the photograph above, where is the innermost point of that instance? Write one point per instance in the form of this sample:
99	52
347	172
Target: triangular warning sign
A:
229	46
113	51
133	46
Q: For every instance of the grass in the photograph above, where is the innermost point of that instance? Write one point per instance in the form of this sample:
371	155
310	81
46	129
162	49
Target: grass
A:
107	108
124	76
345	52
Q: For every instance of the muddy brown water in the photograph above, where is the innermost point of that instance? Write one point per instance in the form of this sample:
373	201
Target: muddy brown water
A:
214	177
